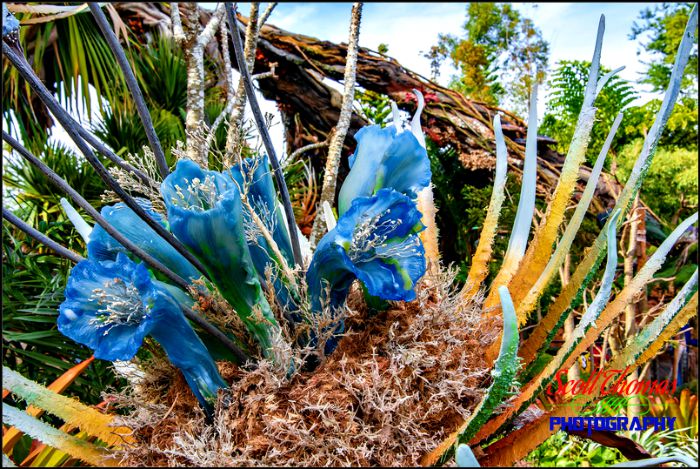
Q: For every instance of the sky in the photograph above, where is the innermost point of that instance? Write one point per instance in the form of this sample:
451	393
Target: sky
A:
409	29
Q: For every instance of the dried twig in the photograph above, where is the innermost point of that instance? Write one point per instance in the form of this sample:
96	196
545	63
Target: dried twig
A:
333	162
299	151
234	139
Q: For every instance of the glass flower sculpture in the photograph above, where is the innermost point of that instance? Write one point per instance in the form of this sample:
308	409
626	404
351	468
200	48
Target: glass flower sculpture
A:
231	221
112	305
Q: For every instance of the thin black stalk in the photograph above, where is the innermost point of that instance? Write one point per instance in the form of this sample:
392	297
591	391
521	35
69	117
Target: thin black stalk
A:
41	237
137	251
262	129
72	129
133	86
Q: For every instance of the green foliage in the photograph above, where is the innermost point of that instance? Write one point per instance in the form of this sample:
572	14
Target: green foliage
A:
497	56
681	130
161	71
375	107
462	212
567	86
563	450
671	185
162	74
668	443
663	27
67	54
27	188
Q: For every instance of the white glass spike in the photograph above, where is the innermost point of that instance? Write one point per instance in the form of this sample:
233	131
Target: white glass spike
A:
80	224
328	215
415	122
396	116
526	205
604	79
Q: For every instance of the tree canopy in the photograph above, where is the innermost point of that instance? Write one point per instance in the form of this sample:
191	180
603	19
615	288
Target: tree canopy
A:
497	55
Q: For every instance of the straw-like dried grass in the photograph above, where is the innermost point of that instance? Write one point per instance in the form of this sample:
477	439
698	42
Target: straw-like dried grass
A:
398	383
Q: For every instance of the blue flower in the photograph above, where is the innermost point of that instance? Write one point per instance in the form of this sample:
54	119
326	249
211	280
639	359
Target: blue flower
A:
376	241
103	247
385	158
255	178
204	211
111	306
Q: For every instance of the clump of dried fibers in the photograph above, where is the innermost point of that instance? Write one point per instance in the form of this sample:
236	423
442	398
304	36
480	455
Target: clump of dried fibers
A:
397	385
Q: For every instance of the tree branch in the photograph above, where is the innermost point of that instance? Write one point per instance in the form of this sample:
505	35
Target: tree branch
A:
233	139
178	32
330	175
266	14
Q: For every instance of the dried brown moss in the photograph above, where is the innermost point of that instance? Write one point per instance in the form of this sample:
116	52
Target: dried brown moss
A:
398	383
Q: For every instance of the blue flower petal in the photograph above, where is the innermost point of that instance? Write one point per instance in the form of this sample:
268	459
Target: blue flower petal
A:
263	198
255	176
84	315
208	220
406	166
187	352
377	241
372	143
111	306
385	158
103	247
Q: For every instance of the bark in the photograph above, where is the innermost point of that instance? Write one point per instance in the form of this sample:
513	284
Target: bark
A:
310	108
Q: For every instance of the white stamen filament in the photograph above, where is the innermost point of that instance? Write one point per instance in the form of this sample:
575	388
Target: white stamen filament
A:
198	195
120	305
370	236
